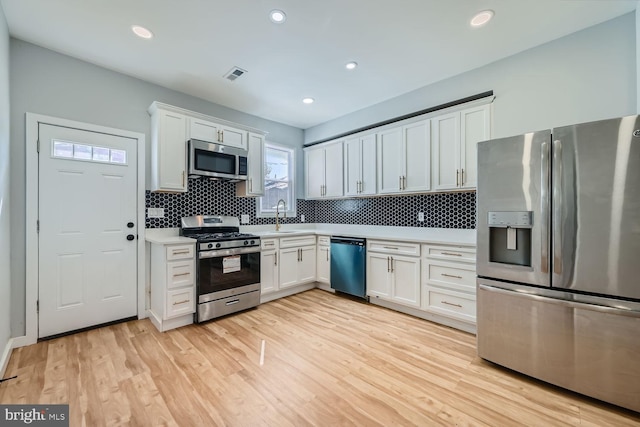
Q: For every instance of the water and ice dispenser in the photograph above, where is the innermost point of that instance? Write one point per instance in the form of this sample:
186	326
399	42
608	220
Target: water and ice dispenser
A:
510	237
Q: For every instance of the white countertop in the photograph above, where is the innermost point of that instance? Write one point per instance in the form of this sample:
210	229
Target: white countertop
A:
166	236
403	234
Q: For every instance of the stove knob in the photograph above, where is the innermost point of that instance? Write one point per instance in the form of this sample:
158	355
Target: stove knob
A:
246	242
253	242
218	245
210	245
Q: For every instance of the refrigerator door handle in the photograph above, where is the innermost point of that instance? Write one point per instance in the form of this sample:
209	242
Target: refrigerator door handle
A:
544	208
557	209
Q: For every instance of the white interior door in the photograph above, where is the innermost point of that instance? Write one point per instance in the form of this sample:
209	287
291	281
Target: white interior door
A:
87	212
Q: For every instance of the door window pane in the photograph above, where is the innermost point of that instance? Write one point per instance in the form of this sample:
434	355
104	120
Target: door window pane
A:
62	149
82	152
85	152
101	154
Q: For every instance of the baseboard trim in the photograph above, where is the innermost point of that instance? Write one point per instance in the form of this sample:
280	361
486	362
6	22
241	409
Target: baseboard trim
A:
287	292
6	355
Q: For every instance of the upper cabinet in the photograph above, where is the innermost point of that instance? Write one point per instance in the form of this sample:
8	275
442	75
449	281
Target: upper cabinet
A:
323	171
168	150
205	130
455	139
360	166
254	185
404	159
172	127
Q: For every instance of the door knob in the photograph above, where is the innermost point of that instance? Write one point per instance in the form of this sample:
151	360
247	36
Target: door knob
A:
130	237
130	225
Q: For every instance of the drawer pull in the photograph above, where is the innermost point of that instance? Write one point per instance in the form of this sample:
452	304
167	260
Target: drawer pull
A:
180	252
391	247
450	275
449	303
181	302
182	274
451	254
235	301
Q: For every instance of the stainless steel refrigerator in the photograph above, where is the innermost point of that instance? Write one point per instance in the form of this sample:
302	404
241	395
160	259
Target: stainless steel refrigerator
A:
558	257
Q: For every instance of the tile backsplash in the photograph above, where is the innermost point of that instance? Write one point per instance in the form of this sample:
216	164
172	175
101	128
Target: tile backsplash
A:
207	197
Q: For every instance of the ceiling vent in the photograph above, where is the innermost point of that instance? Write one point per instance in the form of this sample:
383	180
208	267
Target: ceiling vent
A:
234	73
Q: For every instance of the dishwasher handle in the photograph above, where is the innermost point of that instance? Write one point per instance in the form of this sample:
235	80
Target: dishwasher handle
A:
341	240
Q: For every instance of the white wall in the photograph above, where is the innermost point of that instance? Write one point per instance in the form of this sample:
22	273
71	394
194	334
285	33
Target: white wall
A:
5	226
588	75
46	82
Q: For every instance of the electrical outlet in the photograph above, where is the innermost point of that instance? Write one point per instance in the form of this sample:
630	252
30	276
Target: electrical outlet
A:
301	217
421	216
244	219
155	213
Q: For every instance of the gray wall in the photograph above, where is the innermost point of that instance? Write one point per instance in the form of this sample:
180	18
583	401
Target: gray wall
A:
49	83
5	226
588	75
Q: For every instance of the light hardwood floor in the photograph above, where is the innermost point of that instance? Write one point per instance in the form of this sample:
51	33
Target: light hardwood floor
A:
328	361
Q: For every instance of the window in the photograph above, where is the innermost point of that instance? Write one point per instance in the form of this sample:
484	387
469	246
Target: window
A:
279	172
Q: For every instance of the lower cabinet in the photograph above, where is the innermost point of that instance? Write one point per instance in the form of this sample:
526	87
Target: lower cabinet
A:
449	281
287	262
173	296
269	278
323	260
391	276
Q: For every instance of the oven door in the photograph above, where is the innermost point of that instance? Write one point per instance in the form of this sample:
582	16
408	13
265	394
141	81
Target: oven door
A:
222	271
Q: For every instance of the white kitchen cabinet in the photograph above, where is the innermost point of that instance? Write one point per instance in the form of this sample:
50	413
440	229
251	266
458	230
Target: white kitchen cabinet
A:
449	281
360	165
254	185
168	150
324	171
323	260
455	139
173	298
297	261
218	133
404	158
391	274
269	268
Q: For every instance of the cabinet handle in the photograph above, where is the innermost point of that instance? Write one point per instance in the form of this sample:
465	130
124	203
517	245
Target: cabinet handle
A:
181	274
181	302
392	269
327	254
390	247
183	178
404	182
388	265
457	178
451	254
180	252
449	303
462	180
450	275
275	259
221	136
218	134
400	182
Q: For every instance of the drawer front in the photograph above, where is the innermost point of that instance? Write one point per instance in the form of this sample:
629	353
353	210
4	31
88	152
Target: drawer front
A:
455	276
292	242
180	273
181	302
390	247
451	253
180	252
449	303
324	240
267	244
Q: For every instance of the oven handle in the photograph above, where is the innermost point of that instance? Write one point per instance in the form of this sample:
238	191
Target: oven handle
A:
228	252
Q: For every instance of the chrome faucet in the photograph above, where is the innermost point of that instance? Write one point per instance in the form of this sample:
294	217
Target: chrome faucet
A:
284	204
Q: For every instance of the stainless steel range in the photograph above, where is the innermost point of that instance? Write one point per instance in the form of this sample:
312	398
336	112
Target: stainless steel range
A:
228	267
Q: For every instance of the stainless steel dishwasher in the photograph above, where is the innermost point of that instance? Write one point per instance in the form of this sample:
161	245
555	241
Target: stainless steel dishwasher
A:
349	265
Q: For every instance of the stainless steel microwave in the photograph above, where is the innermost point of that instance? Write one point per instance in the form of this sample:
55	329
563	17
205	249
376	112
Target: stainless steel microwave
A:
216	161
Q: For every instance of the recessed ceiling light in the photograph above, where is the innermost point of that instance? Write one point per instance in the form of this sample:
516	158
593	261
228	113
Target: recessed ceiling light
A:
351	65
481	18
277	16
141	32
308	100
